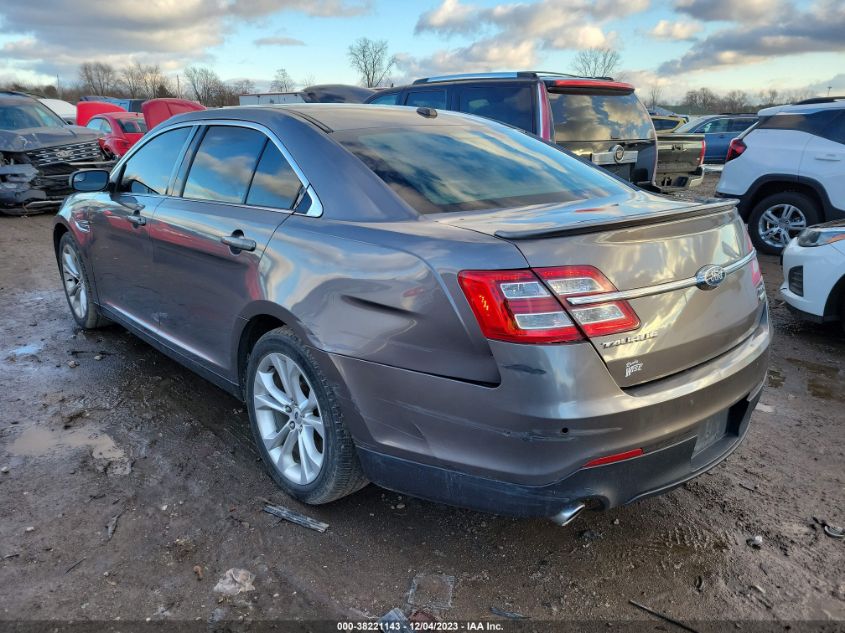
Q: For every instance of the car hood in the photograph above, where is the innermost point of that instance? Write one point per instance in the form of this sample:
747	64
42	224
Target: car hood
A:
37	138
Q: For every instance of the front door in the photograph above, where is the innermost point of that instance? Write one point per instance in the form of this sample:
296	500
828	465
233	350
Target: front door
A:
121	246
237	190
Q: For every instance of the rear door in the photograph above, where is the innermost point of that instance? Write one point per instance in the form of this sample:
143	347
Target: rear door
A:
236	189
610	127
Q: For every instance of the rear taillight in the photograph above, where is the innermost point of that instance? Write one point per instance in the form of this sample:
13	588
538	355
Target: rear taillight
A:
596	319
756	273
516	306
702	152
736	148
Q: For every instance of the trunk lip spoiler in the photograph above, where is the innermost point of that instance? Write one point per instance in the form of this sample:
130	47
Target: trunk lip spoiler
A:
581	228
669	286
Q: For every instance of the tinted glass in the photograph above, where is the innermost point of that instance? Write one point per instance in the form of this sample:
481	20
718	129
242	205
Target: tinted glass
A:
509	104
21	116
223	165
454	168
388	99
740	125
820	123
427	99
602	117
275	184
664	124
133	126
835	129
149	169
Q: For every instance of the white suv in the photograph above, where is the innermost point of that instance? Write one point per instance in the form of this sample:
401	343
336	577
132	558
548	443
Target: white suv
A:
788	171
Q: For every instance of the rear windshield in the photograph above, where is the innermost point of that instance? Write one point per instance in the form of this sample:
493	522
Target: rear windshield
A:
454	168
599	117
133	126
664	124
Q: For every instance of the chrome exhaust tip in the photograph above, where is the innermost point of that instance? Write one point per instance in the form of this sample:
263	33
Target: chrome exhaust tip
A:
567	514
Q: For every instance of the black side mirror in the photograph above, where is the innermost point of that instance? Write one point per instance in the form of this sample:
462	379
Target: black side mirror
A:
89	180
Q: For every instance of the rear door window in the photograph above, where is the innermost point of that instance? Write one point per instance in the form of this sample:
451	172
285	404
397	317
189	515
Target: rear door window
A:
509	104
740	125
275	183
599	117
716	126
149	169
387	99
822	123
224	163
426	99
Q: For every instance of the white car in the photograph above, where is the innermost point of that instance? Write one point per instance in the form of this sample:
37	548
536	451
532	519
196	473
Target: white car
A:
788	171
814	273
67	111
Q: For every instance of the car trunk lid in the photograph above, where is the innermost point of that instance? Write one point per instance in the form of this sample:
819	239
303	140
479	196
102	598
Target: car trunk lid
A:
655	247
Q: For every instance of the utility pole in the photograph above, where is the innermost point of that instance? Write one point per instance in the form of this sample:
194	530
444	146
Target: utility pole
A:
59	87
828	90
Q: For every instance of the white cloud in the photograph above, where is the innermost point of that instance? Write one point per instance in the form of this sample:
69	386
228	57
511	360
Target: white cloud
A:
278	41
668	30
56	36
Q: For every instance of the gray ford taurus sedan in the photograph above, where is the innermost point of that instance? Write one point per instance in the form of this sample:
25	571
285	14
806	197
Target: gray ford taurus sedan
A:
437	303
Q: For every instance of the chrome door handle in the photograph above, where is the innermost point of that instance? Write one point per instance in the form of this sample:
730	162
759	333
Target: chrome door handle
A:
137	220
238	243
830	157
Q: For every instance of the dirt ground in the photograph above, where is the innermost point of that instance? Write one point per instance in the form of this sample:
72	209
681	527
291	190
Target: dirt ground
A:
129	486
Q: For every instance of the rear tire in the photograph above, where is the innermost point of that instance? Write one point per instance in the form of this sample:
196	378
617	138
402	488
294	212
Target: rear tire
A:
297	422
77	286
778	218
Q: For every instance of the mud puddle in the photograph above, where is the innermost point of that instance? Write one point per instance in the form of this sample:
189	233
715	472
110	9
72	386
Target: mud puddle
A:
37	441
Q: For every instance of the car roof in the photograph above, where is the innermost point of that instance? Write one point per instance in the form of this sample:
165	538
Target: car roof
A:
119	115
333	117
12	97
803	108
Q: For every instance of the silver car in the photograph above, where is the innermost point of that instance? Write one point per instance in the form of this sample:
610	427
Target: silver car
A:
437	303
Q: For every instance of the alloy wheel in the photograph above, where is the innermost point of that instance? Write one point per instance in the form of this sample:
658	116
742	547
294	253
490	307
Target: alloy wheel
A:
288	418
779	224
74	282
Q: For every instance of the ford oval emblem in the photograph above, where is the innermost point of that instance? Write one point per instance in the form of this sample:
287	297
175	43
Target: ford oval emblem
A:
709	277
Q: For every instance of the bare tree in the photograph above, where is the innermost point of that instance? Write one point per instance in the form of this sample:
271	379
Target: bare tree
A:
132	78
735	101
204	83
596	62
153	80
282	82
98	78
308	80
242	86
655	96
370	59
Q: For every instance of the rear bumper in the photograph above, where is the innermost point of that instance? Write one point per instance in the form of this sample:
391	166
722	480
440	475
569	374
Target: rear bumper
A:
527	439
678	181
608	486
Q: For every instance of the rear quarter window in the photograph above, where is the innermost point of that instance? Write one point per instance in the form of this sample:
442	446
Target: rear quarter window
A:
509	104
599	117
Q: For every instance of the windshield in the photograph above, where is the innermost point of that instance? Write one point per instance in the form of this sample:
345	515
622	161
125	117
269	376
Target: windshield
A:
22	116
453	168
599	117
133	126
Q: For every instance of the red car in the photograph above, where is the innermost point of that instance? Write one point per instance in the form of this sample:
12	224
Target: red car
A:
121	130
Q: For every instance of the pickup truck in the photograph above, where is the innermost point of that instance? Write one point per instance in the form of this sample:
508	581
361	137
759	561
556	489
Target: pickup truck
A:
680	161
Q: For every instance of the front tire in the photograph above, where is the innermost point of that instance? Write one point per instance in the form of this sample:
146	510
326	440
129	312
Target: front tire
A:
297	422
777	218
77	286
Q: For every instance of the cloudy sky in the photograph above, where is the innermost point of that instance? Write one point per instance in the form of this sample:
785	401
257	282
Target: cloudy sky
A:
749	45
